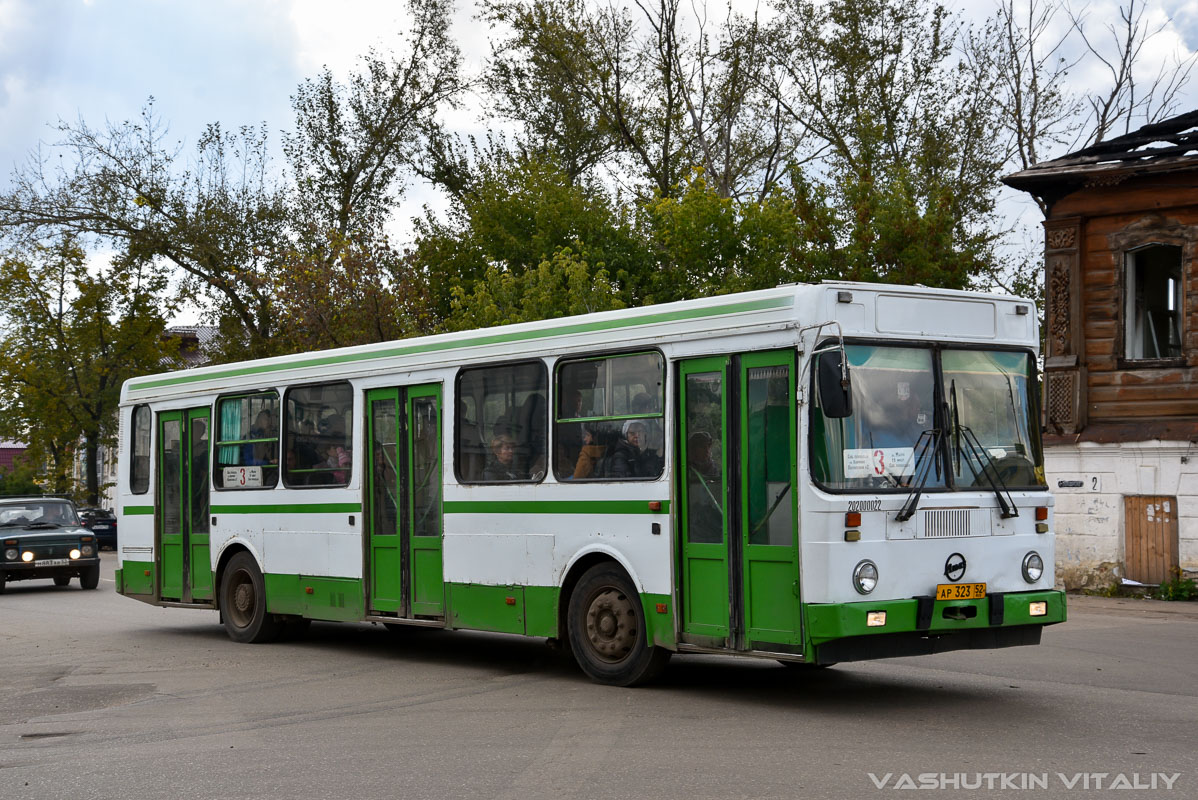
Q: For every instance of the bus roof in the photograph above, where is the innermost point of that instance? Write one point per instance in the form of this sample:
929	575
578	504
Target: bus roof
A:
792	305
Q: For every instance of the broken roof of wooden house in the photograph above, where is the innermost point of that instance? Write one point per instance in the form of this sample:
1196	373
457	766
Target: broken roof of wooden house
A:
1167	146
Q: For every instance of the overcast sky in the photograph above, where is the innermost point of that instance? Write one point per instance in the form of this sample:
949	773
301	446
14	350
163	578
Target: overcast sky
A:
238	62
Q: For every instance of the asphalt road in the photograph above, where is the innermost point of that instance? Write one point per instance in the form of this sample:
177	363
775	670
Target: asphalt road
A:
105	697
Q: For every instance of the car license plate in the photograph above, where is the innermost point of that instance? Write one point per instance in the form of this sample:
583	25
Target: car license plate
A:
960	591
53	562
99	527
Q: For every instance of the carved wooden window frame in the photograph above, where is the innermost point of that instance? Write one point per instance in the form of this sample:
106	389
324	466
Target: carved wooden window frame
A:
1149	232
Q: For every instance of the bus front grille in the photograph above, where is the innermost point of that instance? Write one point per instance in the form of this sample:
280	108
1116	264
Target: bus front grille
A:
945	523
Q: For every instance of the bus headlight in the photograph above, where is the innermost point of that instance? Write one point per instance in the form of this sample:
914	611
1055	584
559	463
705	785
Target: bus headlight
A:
1033	567
865	576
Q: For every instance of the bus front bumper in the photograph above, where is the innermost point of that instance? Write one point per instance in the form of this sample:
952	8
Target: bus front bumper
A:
922	625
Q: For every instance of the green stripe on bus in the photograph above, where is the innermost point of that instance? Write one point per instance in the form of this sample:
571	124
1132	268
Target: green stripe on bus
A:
289	508
491	338
552	507
139	511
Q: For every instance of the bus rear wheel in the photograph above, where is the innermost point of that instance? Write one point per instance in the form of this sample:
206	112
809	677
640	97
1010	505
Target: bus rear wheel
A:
243	602
607	630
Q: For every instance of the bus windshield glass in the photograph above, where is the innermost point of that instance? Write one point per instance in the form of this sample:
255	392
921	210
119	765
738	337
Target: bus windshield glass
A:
894	428
987	395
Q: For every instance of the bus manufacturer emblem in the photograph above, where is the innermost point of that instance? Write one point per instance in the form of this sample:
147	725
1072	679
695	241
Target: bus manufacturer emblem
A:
954	567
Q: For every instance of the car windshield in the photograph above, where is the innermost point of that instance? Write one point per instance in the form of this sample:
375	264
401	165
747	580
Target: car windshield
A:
988	420
36	512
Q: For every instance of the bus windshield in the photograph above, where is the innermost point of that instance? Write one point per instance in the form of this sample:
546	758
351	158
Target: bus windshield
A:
985	426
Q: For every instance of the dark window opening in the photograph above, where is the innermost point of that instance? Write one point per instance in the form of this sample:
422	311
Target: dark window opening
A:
1153	310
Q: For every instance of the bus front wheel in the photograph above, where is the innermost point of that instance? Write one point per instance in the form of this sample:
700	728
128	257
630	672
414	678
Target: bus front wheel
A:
243	602
607	630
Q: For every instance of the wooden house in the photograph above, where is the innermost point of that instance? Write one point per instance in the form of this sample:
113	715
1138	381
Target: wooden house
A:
1121	352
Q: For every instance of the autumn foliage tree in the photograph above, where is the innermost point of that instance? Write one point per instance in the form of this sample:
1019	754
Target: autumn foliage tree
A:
71	337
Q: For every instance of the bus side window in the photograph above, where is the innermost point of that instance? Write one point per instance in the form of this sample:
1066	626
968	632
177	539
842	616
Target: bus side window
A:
247	428
318	439
139	451
502	422
609	423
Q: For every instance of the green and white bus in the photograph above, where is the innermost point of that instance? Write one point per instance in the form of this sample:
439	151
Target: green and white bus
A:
811	474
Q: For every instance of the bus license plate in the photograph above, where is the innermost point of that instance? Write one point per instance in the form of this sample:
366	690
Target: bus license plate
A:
960	591
54	562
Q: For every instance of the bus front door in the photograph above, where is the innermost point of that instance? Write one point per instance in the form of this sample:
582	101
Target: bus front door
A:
183	552
737	469
403	489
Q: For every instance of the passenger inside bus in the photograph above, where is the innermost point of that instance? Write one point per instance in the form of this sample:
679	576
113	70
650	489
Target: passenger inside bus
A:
502	466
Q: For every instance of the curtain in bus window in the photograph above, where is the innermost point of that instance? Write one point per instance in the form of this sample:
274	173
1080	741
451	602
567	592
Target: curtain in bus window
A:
230	430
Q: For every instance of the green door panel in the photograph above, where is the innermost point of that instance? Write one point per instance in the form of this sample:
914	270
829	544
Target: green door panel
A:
424	500
170	549
768	453
703	490
385	553
738	504
199	560
404	502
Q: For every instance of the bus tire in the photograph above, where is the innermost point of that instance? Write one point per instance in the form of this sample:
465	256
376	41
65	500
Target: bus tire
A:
243	602
607	630
89	578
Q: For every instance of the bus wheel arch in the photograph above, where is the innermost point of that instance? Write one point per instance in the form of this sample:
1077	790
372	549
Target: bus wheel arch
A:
242	599
574	572
606	626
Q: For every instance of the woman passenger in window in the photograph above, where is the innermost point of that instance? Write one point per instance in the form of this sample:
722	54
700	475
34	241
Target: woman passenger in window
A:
592	451
502	465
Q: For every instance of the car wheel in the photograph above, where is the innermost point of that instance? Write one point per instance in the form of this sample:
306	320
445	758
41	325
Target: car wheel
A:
2	581
89	578
607	630
243	602
62	580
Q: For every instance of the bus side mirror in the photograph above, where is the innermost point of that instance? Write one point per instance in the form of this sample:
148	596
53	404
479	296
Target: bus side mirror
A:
835	389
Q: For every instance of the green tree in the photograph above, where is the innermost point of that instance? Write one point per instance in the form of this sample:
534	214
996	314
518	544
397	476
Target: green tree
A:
216	219
354	143
71	337
905	138
516	212
564	285
644	92
351	290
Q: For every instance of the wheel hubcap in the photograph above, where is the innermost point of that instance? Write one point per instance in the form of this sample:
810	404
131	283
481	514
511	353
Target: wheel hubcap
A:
611	625
241	600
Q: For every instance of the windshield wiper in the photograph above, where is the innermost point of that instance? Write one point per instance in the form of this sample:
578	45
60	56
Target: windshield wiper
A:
989	471
929	440
42	525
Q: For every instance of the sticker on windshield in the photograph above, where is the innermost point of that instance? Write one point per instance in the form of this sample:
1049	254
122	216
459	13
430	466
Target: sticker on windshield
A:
874	462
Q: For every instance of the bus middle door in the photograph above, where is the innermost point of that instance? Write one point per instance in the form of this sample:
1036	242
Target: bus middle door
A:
403	487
